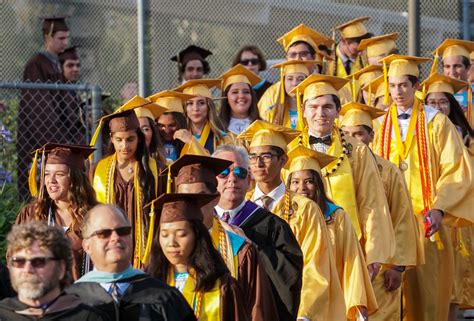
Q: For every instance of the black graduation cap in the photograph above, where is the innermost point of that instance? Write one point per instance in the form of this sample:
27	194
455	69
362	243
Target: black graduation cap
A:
69	53
52	24
191	53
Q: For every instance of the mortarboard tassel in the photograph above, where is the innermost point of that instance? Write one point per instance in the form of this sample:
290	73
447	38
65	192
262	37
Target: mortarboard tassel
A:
385	83
282	87
469	103
369	99
149	239
300	125
168	181
32	176
434	66
353	87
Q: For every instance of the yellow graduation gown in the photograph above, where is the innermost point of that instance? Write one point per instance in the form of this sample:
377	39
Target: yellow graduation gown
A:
350	264
428	287
321	293
267	105
356	186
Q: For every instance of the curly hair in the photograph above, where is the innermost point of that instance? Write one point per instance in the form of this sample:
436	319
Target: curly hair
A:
204	259
52	238
81	198
226	111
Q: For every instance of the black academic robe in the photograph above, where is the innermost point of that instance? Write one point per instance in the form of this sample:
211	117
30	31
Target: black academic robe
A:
281	257
6	290
262	89
145	299
67	307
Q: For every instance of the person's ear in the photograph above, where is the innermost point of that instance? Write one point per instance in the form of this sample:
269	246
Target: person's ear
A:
86	246
283	160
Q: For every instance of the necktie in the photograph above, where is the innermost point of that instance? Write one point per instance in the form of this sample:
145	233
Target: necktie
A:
347	66
326	140
114	292
226	217
266	201
404	116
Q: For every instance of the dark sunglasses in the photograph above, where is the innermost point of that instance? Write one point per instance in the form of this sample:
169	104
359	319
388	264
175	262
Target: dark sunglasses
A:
253	61
240	172
106	233
36	262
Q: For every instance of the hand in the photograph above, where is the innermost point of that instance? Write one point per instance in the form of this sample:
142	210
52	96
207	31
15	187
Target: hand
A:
392	279
435	216
374	269
183	135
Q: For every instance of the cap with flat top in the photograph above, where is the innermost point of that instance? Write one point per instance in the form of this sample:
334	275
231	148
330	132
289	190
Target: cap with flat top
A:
191	52
301	158
366	74
375	87
379	45
403	65
172	100
438	83
52	24
261	133
353	29
199	87
455	47
319	85
305	34
357	114
239	74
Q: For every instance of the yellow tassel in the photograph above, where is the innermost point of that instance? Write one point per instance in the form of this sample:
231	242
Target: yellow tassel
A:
385	81
282	87
354	93
469	103
94	138
32	176
439	243
149	239
462	247
434	66
168	181
369	99
138	252
300	125
43	165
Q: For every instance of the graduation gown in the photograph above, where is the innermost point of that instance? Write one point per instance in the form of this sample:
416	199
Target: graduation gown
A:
350	262
146	298
67	307
280	255
261	88
352	187
321	293
27	214
268	104
428	288
209	141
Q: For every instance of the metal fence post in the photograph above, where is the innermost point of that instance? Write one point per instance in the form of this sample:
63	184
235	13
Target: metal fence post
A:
466	20
96	92
141	20
414	27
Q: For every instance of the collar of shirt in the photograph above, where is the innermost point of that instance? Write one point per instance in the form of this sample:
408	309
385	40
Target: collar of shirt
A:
276	195
342	56
409	111
220	211
121	287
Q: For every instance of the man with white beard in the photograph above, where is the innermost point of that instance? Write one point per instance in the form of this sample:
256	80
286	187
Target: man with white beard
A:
40	262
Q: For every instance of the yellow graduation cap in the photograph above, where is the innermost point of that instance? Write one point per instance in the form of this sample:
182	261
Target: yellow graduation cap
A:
318	85
172	100
379	45
301	158
471	56
375	87
364	76
237	74
306	34
440	83
261	133
199	87
353	29
450	48
357	114
151	110
400	66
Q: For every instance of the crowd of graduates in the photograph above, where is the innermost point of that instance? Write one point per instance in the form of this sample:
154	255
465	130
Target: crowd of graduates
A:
344	191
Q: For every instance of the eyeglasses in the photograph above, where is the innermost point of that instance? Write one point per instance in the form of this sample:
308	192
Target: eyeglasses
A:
36	262
300	55
440	104
264	158
238	171
106	233
253	61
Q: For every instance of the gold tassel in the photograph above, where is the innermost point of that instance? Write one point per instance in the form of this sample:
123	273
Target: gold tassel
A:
385	81
434	66
151	231
354	93
43	165
32	176
369	99
138	221
469	103
282	87
439	243
169	181
300	125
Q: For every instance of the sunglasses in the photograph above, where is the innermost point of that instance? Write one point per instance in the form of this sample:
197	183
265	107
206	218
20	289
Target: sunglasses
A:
36	262
238	171
253	61
106	233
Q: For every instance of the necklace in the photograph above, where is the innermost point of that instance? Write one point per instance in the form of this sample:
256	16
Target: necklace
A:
346	151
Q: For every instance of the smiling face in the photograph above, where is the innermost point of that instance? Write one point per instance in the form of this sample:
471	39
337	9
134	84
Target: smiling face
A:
197	110
71	69
320	114
302	182
57	181
453	67
239	97
125	144
266	164
440	102
177	241
167	126
401	90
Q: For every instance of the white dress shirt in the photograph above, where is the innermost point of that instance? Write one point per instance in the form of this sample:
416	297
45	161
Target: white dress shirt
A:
320	147
220	211
276	195
403	123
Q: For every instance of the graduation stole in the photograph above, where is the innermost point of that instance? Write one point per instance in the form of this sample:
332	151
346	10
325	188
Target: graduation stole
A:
223	244
416	129
206	305
104	187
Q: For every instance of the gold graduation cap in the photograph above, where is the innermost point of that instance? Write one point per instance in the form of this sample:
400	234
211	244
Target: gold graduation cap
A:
353	29
261	133
357	114
450	48
191	52
364	76
52	24
440	83
199	87
301	158
238	74
375	87
379	45
319	85
172	100
150	110
305	34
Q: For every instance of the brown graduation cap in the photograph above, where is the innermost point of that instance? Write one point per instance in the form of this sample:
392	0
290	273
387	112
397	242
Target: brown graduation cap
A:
69	53
181	207
191	53
52	24
190	169
67	154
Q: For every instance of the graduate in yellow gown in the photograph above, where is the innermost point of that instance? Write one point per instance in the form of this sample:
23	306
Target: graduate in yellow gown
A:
350	179
321	294
357	122
425	145
379	47
304	177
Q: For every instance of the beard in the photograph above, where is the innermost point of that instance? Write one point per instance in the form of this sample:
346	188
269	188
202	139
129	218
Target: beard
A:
32	287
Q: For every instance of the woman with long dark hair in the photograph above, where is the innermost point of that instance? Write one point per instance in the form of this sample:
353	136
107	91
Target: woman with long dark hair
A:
184	256
127	175
304	177
239	108
146	118
65	195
